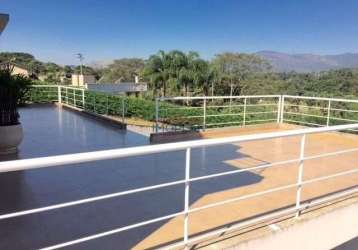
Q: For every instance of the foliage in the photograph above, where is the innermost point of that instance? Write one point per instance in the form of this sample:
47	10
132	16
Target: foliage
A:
122	70
12	91
49	71
178	72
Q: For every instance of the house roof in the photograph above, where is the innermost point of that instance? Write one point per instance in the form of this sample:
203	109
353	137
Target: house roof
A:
4	19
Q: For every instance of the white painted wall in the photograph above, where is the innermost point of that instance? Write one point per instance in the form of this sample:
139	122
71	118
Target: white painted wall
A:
123	87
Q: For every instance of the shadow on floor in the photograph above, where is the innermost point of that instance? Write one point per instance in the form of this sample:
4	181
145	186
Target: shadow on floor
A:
50	131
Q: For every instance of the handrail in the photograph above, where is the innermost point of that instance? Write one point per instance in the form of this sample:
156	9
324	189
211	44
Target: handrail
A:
321	98
66	159
215	97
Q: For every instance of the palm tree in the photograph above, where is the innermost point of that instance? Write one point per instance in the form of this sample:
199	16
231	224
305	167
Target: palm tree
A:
155	71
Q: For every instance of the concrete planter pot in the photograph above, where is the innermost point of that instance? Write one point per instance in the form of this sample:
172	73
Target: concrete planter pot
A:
10	138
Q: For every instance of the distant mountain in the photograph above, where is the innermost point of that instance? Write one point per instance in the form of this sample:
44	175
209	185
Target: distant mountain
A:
283	62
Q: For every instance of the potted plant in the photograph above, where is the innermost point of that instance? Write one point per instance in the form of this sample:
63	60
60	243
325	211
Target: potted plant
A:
12	91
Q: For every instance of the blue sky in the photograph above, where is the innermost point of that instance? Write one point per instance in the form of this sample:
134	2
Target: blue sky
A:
55	30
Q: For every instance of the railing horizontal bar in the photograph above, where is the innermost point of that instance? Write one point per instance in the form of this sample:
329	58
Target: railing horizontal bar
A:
216	97
241	114
302	122
236	122
179	108
243	197
230	114
225	106
260	105
190	116
241	105
345	110
267	165
320	98
305	106
47	86
88	200
305	114
24	164
353	130
346	151
342	119
114	231
223	123
261	112
275	164
330	176
263	120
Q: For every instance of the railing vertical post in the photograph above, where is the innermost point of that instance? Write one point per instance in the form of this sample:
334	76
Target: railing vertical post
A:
231	91
59	100
204	111
83	99
32	90
107	103
74	97
186	198
282	108
94	103
328	112
244	118
279	109
123	110
66	95
300	174
156	115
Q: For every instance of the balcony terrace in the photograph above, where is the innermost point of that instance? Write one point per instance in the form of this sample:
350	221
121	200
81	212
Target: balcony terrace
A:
239	176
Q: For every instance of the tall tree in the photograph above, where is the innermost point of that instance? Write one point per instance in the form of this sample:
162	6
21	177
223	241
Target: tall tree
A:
233	68
122	70
156	71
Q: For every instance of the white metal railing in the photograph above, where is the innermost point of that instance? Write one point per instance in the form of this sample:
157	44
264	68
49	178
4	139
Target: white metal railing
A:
288	109
296	110
240	103
299	206
81	98
228	110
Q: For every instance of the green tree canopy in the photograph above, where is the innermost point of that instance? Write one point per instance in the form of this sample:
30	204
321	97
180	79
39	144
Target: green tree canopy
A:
122	70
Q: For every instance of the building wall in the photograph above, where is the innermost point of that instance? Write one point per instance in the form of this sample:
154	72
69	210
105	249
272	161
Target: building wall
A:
20	71
82	80
16	70
124	87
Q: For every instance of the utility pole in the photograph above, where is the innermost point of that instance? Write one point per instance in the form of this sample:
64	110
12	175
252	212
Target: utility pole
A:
81	58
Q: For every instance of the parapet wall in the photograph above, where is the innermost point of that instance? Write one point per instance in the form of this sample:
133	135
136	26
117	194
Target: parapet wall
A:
326	231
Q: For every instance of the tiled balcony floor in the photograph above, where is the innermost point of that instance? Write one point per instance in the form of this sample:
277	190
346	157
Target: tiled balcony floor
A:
50	131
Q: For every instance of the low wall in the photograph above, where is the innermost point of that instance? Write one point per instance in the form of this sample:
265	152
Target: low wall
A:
174	136
326	231
98	117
